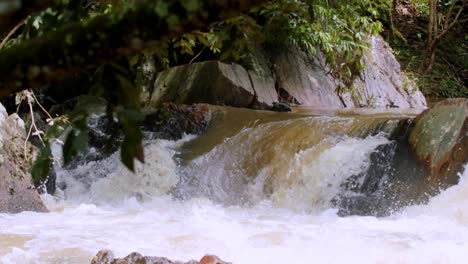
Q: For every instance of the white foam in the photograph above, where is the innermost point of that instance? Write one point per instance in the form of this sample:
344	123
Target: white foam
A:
109	181
108	215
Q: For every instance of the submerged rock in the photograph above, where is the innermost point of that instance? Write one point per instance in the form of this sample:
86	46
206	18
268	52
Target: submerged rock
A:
17	192
281	107
107	257
172	121
439	140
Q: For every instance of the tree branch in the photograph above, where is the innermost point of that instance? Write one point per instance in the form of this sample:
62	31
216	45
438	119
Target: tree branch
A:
103	38
454	21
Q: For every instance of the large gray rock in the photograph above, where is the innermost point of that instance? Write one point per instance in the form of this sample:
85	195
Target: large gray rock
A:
307	81
263	79
382	84
291	76
210	82
303	79
17	193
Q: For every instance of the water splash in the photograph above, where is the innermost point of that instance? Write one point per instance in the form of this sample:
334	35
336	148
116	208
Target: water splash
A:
108	181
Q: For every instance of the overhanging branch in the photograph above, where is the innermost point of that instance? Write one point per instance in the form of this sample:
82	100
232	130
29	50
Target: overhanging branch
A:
102	38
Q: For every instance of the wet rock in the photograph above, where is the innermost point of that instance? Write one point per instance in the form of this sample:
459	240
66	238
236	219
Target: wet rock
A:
107	257
281	107
17	193
211	259
172	121
439	139
424	157
169	121
211	82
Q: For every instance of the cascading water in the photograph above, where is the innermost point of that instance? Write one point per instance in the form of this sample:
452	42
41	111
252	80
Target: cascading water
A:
256	189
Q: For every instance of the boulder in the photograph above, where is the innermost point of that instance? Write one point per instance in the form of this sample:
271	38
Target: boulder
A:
210	82
303	79
173	121
263	79
291	76
107	257
439	139
382	84
425	156
17	192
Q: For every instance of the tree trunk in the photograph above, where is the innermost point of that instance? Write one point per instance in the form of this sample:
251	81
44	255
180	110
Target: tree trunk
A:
430	57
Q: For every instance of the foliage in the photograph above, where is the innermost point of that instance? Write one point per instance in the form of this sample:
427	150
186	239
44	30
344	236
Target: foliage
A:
338	29
448	76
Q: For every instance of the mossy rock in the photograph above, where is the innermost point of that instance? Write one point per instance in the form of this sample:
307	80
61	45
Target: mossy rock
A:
439	139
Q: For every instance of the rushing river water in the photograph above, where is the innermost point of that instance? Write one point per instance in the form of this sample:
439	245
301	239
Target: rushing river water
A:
256	188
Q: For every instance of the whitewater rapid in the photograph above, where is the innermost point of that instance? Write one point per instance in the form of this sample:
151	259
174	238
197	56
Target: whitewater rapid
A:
433	233
105	207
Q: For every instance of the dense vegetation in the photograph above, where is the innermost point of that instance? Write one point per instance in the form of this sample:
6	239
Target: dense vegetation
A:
102	45
432	44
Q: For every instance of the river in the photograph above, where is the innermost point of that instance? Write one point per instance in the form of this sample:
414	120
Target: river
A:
255	188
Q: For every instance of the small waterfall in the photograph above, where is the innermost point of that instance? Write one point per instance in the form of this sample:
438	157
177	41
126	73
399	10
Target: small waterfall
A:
299	161
256	187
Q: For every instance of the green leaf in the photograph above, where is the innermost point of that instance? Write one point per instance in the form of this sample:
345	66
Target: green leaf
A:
41	166
132	147
76	141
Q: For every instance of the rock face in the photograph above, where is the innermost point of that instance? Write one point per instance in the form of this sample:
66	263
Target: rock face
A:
107	257
293	77
439	139
17	193
382	84
303	79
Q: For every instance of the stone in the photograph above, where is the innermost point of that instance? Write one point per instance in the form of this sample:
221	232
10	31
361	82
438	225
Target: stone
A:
303	79
291	76
17	193
173	121
211	259
382	84
263	79
210	82
439	139
107	257
281	107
